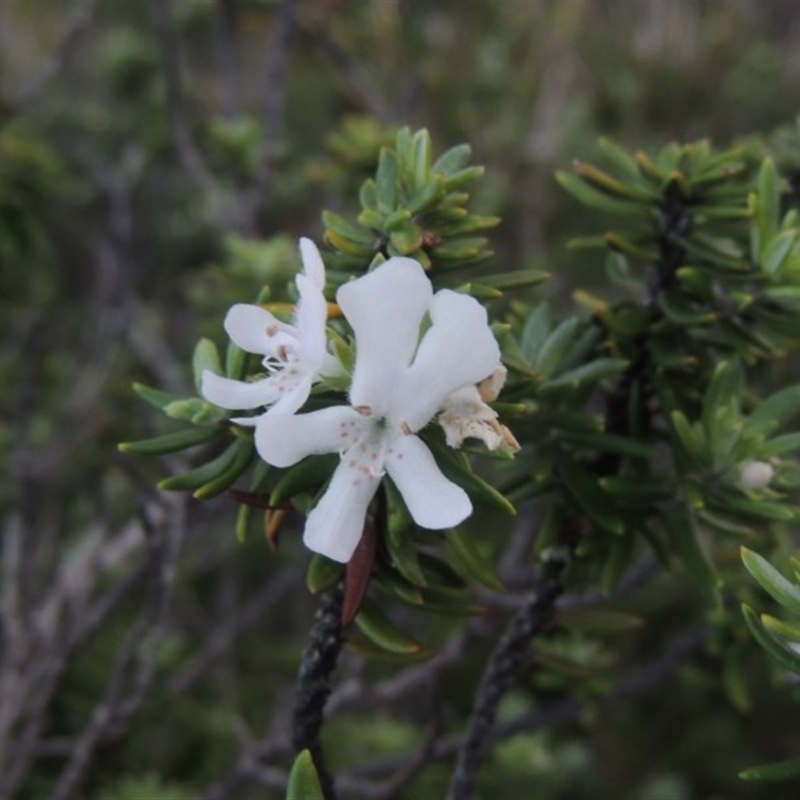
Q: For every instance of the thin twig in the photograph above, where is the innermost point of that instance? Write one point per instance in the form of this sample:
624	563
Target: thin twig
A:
314	683
497	679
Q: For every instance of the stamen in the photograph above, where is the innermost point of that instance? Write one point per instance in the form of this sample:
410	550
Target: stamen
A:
405	427
365	411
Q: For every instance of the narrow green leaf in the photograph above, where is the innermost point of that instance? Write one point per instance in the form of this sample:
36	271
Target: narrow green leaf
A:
172	442
308	474
472	560
205	357
323	574
155	397
726	383
243	457
364	647
779	771
780	446
772	581
421	145
386	180
189	481
303	779
391	582
556	346
773	645
778	250
774	412
455	465
686	541
608	443
452	160
586	491
691	438
586	373
619	157
594	198
767	203
381	630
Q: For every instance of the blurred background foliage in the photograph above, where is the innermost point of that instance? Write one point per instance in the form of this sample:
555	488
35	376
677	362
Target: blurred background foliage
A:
157	163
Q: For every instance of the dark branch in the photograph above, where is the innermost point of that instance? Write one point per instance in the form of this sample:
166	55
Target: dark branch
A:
314	683
503	666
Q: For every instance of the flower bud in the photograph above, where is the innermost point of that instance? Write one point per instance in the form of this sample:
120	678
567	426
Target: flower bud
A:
755	474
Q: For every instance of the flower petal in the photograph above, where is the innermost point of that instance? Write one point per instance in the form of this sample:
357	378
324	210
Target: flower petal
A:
385	308
285	439
311	314
335	525
313	266
434	501
458	349
248	327
231	394
292	397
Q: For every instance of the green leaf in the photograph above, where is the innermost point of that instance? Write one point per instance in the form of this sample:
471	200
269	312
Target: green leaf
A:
195	410
381	630
679	310
466	175
780	446
535	332
455	465
606	183
386	180
773	413
778	250
303	779
767	203
691	437
760	509
194	479
686	541
205	357
323	574
608	443
619	157
770	642
556	346
772	581
452	160
779	771
391	582
472	560
364	647
726	383
242	459
421	149
427	196
587	373
308	474
155	397
172	442
583	486
594	198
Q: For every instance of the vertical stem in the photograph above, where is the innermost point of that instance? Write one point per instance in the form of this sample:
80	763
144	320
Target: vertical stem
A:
503	666
313	683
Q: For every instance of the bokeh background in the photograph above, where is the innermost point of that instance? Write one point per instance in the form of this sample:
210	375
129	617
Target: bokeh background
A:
158	160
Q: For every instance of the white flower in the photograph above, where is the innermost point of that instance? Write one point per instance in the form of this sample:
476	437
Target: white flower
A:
295	355
466	415
755	474
399	383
